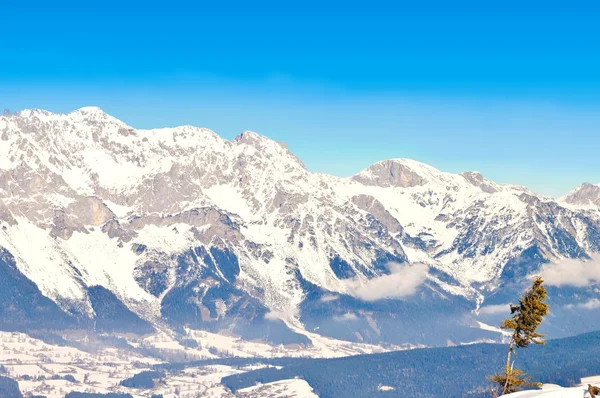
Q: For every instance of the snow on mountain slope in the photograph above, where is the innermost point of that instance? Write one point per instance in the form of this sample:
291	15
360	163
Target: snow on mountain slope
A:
185	227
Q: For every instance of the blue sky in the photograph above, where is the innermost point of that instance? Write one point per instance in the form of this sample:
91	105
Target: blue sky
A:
510	90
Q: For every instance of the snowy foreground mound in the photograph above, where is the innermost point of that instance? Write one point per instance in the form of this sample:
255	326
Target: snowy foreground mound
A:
284	388
572	392
554	392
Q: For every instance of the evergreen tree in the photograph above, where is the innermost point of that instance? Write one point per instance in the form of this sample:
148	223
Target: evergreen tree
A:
526	319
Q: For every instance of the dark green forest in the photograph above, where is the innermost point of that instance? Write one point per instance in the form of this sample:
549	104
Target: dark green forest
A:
455	371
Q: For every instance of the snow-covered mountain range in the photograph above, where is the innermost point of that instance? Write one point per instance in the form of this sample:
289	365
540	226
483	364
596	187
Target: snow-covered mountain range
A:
106	226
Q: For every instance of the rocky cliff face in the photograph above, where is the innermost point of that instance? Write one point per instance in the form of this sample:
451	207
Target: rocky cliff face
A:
183	227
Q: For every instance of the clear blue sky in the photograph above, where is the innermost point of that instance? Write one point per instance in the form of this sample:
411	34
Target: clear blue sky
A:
512	91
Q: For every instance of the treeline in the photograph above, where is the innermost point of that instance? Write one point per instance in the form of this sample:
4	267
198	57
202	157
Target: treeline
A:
144	380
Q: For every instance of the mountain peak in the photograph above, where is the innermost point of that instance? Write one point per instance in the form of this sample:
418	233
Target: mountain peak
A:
93	113
589	185
250	137
393	172
267	146
402	172
584	195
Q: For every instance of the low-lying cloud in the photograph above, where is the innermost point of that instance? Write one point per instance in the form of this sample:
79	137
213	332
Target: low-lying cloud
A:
271	316
403	281
572	272
592	304
495	309
346	317
328	298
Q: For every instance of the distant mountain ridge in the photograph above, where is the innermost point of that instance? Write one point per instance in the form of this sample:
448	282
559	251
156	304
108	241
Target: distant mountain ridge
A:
179	227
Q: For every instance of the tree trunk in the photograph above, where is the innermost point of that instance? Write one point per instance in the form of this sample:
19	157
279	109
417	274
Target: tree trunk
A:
507	370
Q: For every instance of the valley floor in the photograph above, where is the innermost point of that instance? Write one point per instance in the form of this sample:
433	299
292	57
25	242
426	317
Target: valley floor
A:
54	370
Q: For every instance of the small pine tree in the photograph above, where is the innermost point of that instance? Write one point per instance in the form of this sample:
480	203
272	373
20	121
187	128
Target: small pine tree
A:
526	319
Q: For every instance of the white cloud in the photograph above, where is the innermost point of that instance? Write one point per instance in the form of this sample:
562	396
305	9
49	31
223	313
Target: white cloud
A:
271	316
328	297
346	317
403	281
495	309
572	272
592	304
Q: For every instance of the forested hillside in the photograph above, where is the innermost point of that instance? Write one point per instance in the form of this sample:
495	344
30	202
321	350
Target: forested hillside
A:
455	371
